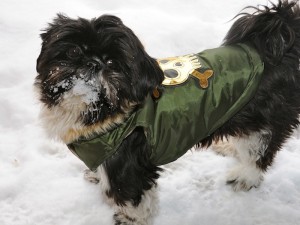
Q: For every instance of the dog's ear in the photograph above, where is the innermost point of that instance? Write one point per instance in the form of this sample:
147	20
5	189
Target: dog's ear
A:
144	71
149	76
58	21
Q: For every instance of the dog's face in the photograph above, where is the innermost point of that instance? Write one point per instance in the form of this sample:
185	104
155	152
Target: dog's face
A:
94	70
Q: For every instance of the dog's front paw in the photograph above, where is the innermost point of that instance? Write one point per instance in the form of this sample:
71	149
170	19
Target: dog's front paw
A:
122	219
91	176
243	178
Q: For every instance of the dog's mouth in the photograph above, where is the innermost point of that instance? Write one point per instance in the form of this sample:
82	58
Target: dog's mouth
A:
88	90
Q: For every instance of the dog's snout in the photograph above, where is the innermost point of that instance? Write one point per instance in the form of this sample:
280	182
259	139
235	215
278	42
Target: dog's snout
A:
94	64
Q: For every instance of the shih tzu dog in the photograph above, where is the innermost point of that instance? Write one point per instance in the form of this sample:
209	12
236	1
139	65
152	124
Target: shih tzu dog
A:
124	113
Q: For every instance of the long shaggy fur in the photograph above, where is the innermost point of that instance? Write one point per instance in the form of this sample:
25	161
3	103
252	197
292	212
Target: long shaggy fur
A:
93	74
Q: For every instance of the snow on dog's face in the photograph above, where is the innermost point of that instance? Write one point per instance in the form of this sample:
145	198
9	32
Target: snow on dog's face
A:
92	72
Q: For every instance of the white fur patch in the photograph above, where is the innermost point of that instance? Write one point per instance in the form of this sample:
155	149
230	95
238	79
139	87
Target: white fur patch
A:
58	120
244	177
249	149
143	214
104	183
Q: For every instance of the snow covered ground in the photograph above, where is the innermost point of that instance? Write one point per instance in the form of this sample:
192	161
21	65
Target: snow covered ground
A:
41	182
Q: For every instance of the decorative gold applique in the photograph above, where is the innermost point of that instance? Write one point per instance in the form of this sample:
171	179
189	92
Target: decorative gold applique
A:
203	77
156	93
178	69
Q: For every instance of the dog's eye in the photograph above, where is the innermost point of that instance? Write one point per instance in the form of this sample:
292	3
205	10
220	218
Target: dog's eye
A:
74	52
109	62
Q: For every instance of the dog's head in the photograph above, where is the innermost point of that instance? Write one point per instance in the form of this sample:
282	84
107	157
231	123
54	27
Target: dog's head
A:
95	70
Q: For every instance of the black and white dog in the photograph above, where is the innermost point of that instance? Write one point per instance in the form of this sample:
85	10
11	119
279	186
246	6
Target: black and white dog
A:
94	75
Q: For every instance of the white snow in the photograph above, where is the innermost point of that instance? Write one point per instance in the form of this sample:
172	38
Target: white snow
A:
41	182
87	90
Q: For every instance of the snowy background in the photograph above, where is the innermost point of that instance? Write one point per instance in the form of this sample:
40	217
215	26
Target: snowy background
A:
41	182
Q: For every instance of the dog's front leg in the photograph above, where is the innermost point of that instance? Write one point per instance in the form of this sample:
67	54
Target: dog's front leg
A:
130	180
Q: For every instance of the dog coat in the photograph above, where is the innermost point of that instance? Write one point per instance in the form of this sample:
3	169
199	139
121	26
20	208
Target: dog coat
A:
200	93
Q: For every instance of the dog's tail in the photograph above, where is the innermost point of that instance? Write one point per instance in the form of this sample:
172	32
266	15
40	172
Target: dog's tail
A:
274	31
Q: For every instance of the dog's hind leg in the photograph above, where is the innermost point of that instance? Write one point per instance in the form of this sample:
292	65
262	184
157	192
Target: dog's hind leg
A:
251	150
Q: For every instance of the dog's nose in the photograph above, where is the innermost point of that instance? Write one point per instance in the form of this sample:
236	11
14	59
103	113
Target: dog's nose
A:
93	64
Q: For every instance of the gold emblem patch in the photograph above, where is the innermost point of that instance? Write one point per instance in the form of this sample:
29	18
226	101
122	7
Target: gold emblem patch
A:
203	77
178	69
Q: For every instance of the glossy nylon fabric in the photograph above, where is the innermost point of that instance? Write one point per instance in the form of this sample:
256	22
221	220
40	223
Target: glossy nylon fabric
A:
186	113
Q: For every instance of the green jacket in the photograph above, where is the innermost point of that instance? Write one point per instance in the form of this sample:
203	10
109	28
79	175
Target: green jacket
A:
194	103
